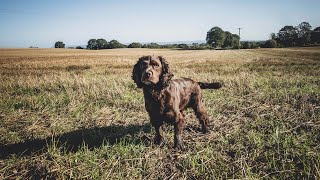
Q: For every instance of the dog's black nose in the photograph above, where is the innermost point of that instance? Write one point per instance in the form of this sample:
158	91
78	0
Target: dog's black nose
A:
149	74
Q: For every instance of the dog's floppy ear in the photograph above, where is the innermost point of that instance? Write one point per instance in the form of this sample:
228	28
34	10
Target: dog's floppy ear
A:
136	72
166	73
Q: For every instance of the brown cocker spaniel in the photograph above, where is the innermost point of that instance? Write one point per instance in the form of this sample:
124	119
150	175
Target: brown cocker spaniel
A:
166	98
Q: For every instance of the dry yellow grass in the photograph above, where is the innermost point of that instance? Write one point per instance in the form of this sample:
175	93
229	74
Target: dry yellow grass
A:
67	113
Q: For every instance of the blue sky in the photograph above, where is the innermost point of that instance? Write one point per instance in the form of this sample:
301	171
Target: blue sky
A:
41	23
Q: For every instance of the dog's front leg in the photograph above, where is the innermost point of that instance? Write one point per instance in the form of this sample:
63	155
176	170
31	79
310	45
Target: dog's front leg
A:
158	139
178	128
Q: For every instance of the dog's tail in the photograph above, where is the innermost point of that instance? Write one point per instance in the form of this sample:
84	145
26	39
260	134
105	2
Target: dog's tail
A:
215	85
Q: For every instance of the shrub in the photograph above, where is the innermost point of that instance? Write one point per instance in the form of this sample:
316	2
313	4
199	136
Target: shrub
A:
59	44
135	45
270	44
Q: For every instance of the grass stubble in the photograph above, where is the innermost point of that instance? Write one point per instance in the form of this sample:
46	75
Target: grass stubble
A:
76	114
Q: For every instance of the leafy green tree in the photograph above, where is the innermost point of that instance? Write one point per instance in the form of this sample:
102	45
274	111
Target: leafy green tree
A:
215	37
304	33
273	36
271	43
204	46
183	46
102	44
195	46
254	45
169	46
59	44
315	35
246	45
235	41
153	46
288	36
92	44
227	43
113	44
135	45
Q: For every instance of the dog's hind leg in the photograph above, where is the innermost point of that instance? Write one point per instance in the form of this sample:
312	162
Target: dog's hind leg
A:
200	111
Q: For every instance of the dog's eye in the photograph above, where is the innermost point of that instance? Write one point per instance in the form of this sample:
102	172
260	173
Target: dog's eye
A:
155	65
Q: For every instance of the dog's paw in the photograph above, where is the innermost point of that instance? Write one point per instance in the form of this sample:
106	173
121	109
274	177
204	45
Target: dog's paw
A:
179	146
205	129
159	141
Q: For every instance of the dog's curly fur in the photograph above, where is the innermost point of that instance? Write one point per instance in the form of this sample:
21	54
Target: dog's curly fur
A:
166	99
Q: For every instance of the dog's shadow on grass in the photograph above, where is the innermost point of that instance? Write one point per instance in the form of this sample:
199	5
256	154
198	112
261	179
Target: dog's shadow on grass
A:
74	140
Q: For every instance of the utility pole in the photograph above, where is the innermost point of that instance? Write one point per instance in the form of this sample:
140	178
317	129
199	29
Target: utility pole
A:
239	39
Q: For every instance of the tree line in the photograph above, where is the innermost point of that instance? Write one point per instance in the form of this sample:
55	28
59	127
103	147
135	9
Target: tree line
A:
288	36
96	44
103	44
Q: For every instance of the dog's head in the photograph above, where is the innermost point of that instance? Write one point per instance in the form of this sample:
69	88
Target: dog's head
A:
151	71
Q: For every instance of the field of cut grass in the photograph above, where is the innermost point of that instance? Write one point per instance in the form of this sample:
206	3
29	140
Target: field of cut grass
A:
76	114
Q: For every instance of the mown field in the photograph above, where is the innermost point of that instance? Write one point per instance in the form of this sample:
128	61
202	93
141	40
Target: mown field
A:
76	114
